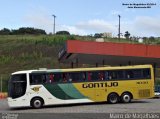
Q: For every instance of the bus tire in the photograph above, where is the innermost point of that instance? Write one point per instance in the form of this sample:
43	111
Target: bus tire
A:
113	98
37	102
126	97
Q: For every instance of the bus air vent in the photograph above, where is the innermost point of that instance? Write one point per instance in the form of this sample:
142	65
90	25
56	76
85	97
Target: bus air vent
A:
144	93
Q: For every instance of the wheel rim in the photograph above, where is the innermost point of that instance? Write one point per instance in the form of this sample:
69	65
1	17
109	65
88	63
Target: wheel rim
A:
126	98
113	98
37	103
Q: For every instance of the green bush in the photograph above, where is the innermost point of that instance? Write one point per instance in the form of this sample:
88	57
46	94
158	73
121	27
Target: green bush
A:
6	59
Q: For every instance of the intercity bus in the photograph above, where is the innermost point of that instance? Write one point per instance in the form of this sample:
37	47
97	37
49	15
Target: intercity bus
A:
37	88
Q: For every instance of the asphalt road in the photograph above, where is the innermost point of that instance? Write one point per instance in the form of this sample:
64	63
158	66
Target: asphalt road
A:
136	106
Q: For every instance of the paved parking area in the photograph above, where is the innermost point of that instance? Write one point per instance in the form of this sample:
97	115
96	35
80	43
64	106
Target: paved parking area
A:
136	106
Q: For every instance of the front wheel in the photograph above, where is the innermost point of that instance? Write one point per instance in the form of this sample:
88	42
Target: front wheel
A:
37	103
113	98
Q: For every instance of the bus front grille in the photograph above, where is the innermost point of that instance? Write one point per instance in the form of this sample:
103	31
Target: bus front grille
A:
144	93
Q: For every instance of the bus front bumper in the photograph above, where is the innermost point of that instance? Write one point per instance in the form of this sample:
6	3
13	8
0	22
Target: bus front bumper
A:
18	102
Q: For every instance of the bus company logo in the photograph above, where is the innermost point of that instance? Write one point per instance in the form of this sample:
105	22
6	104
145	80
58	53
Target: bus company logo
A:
99	85
36	89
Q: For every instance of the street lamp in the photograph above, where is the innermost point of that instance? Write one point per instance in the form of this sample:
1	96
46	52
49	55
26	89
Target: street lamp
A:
119	28
54	24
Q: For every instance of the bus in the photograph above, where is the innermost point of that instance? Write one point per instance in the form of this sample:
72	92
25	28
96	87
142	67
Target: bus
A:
38	88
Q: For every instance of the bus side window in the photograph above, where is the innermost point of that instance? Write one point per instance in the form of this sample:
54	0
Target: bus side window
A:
110	75
64	77
89	76
57	77
77	77
101	76
146	73
69	77
106	75
129	74
120	74
47	78
83	76
95	76
51	78
37	79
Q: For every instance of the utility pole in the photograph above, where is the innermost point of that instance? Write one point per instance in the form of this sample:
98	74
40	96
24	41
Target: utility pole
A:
1	83
119	32
54	24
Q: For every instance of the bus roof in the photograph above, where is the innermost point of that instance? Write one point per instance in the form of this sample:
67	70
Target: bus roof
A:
82	69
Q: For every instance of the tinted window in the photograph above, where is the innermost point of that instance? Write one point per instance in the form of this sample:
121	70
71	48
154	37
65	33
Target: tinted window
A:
53	77
127	74
17	85
146	73
96	76
137	73
101	75
112	74
66	77
92	76
77	76
37	79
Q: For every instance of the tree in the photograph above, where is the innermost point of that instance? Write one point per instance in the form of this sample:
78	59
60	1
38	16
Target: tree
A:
22	31
151	39
5	31
62	33
28	30
98	35
145	39
127	34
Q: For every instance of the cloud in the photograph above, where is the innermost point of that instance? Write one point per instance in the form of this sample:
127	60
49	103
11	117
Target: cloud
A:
44	21
139	26
96	25
72	29
148	25
115	12
40	20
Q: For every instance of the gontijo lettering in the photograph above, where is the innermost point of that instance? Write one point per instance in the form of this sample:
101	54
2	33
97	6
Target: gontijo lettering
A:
98	85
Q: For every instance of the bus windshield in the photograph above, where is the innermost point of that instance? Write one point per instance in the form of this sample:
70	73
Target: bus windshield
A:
17	85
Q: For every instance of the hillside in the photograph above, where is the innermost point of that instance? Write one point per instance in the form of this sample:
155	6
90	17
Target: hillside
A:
29	52
22	52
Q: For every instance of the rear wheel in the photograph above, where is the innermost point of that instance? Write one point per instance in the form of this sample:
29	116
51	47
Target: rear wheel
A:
37	103
113	98
126	97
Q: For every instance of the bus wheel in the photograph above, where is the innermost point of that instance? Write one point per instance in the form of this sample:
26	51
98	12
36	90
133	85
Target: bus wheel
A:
126	97
37	103
113	98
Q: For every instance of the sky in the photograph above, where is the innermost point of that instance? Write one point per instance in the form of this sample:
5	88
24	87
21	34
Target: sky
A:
83	17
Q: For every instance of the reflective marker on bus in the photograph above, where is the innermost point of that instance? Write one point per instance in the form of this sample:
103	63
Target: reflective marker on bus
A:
37	88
